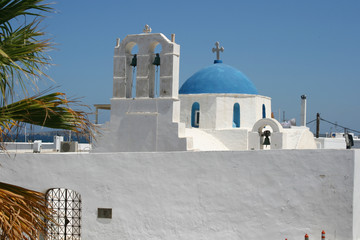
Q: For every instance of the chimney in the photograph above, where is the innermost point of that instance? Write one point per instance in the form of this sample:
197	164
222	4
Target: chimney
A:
303	110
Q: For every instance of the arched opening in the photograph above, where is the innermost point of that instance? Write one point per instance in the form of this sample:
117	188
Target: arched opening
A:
263	111
236	115
133	64
66	206
156	62
195	115
265	137
266	133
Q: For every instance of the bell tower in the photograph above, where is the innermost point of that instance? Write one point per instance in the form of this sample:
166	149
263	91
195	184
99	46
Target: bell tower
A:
142	121
145	73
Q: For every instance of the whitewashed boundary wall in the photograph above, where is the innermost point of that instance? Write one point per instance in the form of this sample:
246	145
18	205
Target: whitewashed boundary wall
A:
203	195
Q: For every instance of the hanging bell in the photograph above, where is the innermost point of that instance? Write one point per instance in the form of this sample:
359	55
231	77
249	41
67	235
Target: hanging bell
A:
266	141
134	61
156	60
266	133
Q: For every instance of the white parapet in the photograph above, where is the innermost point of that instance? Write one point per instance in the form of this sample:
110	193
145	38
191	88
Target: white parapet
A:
143	125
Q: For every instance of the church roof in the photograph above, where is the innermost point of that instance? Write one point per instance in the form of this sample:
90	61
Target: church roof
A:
218	78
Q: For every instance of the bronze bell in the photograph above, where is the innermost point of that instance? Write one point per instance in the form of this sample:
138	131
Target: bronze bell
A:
266	133
156	60
134	61
266	141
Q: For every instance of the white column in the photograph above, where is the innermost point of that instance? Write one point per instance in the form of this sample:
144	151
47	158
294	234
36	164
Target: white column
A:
303	110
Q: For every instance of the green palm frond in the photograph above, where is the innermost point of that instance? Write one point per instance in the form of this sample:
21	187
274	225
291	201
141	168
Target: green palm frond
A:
10	9
50	110
22	49
22	60
23	212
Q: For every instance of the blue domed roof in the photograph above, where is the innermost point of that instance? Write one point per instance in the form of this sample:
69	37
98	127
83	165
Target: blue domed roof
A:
218	78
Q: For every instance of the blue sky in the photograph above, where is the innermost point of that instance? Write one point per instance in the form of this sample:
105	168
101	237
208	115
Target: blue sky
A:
286	47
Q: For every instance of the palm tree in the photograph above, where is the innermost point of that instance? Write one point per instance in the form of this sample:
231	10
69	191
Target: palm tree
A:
23	50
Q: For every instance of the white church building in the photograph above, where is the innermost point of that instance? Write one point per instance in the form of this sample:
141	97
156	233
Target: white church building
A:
218	108
204	161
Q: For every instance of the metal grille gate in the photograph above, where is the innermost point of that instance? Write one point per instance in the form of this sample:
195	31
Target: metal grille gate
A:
67	214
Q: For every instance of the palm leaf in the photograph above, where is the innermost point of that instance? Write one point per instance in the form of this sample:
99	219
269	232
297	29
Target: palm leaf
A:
22	49
23	212
50	110
10	9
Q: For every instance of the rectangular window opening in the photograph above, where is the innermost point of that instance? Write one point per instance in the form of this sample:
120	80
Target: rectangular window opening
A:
197	118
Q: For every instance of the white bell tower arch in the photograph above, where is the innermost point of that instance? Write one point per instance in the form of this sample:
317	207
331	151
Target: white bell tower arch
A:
169	73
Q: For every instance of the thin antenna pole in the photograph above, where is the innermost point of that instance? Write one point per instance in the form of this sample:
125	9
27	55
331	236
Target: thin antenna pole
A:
283	116
279	115
317	125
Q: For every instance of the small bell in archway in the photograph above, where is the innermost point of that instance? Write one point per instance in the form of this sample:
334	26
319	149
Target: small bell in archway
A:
266	134
157	60
134	61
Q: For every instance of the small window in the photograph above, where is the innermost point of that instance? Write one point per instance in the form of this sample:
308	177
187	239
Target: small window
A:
195	115
263	111
197	118
236	115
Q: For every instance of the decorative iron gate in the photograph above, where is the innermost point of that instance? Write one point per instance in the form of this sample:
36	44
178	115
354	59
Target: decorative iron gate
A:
67	214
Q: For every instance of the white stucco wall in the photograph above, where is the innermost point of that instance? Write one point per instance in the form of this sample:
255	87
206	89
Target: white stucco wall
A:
203	195
143	125
234	139
331	143
216	110
356	201
299	138
204	141
218	140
